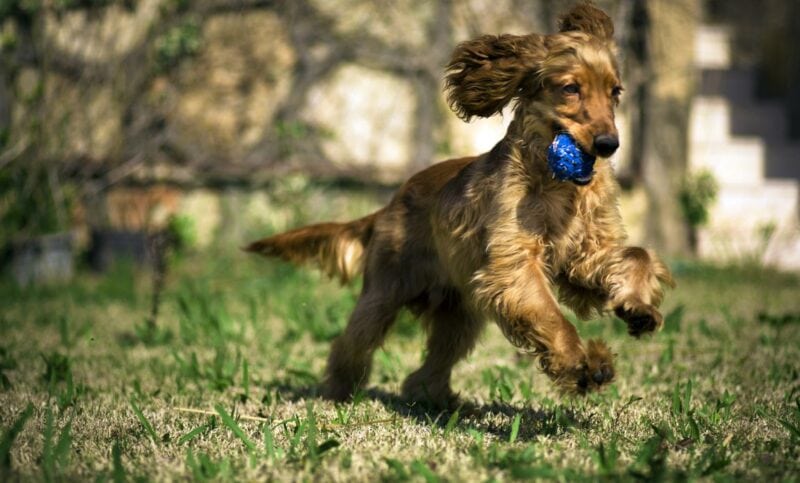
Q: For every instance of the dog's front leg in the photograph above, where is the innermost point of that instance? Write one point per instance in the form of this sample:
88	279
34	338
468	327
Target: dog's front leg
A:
635	289
518	296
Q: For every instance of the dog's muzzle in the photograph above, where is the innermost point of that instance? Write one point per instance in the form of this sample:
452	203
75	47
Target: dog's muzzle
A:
583	181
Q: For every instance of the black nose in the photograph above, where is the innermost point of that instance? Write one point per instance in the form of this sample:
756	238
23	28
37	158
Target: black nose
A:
605	145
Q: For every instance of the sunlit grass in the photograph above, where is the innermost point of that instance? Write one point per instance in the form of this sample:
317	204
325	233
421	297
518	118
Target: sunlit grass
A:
226	387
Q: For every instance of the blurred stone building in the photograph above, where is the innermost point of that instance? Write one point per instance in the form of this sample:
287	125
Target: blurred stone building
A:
205	106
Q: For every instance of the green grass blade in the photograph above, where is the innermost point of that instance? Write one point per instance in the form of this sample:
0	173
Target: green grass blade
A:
793	430
142	419
118	471
328	445
7	441
234	427
424	471
192	434
311	431
246	378
47	448
515	428
451	422
269	443
400	473
64	443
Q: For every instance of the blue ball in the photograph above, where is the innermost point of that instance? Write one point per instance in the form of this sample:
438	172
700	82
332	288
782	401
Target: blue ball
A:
568	162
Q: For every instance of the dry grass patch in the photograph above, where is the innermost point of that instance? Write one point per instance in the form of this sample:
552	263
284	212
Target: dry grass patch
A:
226	387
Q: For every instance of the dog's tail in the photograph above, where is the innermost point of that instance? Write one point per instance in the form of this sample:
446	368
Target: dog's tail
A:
338	248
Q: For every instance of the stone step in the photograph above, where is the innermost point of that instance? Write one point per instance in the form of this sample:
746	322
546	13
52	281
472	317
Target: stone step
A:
709	120
780	249
764	119
774	201
737	85
758	223
712	47
715	119
783	161
783	250
737	161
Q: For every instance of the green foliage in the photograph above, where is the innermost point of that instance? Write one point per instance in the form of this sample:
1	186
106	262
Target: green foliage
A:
292	130
650	460
344	413
451	422
182	233
500	381
25	10
178	43
67	395
699	190
708	398
7	363
288	134
792	423
57	368
202	429
9	435
228	421
78	4
205	468
175	6
118	473
313	449
146	424
684	415
606	457
218	374
150	334
55	452
21	10
204	316
417	470
515	428
519	463
33	201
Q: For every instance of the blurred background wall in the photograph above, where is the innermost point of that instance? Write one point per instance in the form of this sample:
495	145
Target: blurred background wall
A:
116	113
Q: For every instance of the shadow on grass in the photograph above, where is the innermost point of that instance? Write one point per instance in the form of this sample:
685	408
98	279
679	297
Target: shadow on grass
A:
493	418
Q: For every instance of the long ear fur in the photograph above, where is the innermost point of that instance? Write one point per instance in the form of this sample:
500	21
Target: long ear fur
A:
484	74
585	17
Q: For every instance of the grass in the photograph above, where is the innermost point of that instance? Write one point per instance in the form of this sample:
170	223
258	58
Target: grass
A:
225	388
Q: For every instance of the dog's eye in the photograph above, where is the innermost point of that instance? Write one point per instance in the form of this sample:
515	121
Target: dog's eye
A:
616	91
571	89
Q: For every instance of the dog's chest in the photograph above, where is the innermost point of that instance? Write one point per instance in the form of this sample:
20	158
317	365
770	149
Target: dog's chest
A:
568	230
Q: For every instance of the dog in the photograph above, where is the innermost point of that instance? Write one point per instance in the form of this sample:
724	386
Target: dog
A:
496	237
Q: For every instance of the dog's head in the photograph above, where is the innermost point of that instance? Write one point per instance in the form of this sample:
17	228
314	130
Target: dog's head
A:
564	82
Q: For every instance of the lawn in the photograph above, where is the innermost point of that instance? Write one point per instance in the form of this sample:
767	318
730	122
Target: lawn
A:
225	387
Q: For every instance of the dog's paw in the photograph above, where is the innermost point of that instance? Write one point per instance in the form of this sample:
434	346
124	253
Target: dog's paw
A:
641	318
335	391
599	369
594	370
430	394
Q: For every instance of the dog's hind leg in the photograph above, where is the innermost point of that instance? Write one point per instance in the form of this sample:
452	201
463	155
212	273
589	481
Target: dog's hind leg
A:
452	332
350	359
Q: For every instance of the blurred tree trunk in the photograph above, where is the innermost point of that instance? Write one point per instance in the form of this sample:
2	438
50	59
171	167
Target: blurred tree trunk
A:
794	73
5	107
667	48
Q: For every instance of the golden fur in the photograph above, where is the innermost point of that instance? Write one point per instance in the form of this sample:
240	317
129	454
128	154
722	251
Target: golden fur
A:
491	237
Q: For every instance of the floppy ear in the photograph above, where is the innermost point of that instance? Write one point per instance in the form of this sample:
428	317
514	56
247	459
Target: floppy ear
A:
484	74
585	17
